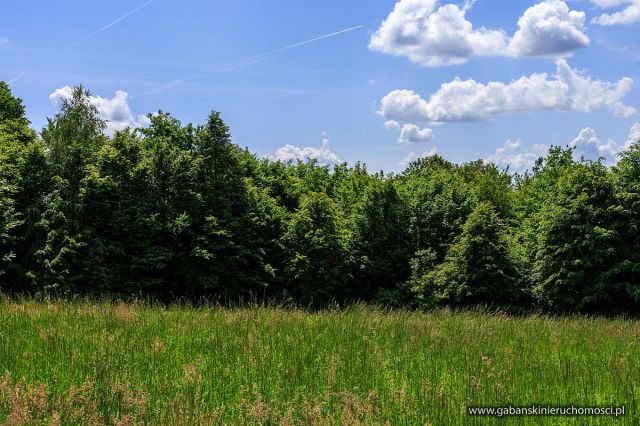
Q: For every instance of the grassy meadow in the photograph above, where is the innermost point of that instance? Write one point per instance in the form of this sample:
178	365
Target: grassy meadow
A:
112	363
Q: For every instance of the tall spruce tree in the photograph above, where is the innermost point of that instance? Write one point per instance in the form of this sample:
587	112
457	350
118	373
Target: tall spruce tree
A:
72	138
226	248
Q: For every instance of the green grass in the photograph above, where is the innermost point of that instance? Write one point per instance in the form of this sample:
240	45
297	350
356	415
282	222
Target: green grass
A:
97	363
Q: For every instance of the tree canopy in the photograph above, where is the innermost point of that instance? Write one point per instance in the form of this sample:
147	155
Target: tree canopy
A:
174	210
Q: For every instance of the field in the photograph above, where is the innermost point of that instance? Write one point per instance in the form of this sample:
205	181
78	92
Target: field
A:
112	363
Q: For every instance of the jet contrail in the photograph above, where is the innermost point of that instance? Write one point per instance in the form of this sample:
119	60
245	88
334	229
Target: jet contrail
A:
17	77
206	72
111	24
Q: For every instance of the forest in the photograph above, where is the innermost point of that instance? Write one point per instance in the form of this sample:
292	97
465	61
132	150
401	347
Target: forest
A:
176	211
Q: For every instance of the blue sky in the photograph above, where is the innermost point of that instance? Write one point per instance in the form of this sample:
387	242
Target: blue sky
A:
463	79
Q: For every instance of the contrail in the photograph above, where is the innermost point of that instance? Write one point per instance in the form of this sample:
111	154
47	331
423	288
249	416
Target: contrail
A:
17	77
111	24
206	72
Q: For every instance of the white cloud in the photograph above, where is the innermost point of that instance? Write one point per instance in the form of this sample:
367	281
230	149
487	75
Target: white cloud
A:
634	135
412	156
144	120
391	125
409	132
60	94
403	104
432	35
468	100
512	155
412	133
115	111
551	29
588	146
628	15
323	154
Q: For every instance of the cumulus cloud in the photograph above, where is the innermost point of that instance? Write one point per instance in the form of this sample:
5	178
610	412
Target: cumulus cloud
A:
409	132
629	14
323	154
588	146
469	100
432	35
391	125
412	156
634	135
513	156
551	29
115	111
412	133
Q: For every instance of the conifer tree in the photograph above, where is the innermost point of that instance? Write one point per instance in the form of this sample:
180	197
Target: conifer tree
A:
72	138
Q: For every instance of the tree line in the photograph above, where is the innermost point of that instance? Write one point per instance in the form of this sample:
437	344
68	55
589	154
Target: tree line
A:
175	210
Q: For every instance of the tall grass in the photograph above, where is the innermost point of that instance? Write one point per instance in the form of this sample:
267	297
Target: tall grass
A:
107	363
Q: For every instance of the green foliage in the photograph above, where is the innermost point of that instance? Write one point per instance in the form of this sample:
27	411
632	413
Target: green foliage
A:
479	268
577	243
8	222
11	108
74	136
381	241
120	210
225	244
16	143
627	181
316	252
175	210
440	202
63	243
72	140
490	185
